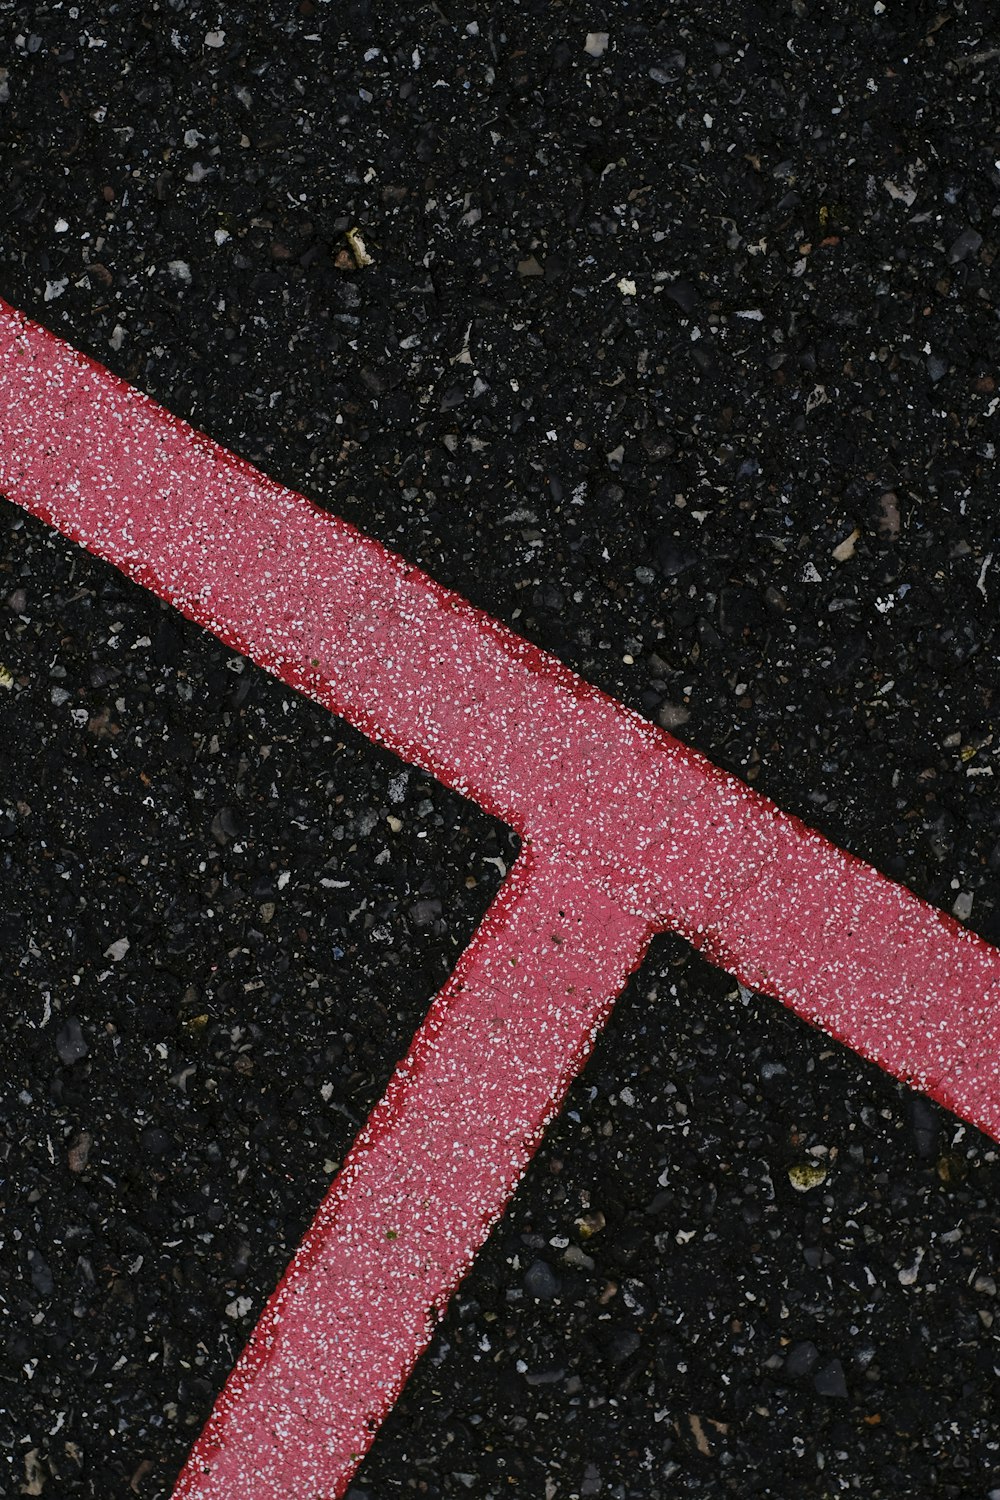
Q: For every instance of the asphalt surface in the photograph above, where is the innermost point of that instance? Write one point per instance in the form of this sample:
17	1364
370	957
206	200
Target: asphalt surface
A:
681	359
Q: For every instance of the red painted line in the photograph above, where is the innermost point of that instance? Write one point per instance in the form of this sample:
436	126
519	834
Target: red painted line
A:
421	1187
607	802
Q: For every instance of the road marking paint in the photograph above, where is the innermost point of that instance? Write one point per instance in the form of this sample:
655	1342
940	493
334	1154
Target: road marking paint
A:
604	801
425	1180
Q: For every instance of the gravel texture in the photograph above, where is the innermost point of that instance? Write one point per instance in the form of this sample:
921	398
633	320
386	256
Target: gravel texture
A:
677	352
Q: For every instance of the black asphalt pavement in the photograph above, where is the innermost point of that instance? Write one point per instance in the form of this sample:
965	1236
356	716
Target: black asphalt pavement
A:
678	352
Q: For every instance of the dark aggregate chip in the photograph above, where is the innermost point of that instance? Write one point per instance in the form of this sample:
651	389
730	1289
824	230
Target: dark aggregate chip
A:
679	354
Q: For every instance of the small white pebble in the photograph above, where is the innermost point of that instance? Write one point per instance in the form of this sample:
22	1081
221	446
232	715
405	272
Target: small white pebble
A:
626	287
908	1275
215	39
596	44
61	226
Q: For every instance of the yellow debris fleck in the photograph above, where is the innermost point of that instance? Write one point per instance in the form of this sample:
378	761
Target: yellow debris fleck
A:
358	250
806	1175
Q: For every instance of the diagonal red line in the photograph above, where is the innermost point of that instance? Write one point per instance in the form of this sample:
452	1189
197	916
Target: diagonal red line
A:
646	819
422	1185
650	827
